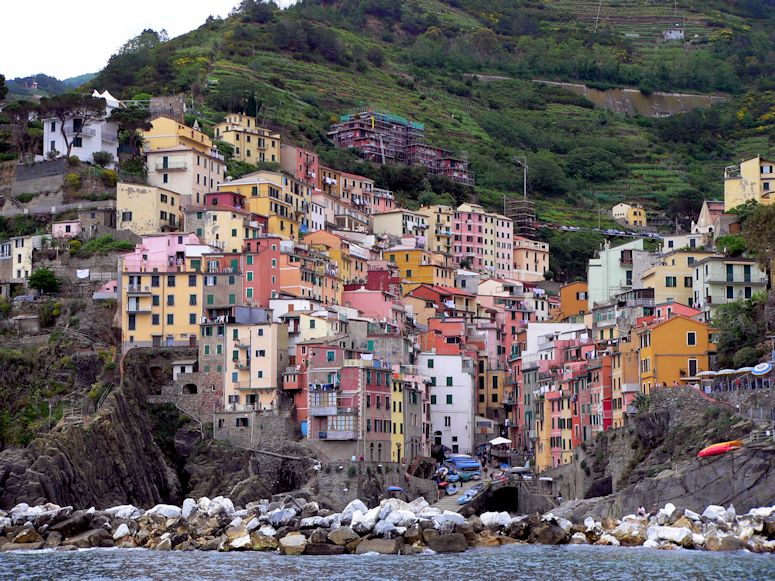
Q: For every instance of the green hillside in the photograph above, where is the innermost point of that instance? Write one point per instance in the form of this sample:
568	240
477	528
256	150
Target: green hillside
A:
464	69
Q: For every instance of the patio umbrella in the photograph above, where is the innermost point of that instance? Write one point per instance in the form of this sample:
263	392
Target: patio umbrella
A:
745	370
726	372
762	369
500	440
706	373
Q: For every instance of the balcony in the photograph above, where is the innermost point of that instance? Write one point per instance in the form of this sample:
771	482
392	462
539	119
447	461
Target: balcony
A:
630	388
338	435
242	344
242	385
109	137
130	308
83	132
532	434
239	364
171	165
136	289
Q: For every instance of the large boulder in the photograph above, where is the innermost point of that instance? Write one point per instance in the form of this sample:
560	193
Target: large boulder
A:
165	510
413	534
53	540
121	532
630	534
293	544
53	515
347	513
518	528
342	536
451	543
27	535
547	533
124	511
282	516
448	516
363	523
680	536
78	522
188	508
579	539
714	513
90	538
323	549
263	542
485	539
402	518
381	546
495	520
717	542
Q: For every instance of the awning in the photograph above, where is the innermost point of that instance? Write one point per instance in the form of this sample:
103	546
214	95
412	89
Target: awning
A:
762	368
706	373
499	441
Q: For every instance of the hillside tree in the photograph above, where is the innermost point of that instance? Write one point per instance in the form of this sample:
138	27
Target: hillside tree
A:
132	120
71	106
19	113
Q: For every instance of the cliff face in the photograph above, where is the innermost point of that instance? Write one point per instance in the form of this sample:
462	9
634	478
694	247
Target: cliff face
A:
653	461
110	459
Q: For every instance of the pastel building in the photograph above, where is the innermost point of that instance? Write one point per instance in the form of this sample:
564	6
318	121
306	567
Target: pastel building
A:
303	164
252	144
147	210
753	179
719	280
610	272
531	259
482	240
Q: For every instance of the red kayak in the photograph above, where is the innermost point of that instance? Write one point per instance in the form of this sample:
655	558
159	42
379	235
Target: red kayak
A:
720	448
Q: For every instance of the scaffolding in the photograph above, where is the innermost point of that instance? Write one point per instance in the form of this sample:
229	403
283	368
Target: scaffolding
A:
522	213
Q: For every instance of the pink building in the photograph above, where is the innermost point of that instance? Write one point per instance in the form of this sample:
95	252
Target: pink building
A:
375	304
161	251
382	201
301	163
65	229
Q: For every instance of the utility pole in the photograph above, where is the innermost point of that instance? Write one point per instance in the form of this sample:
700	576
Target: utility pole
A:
522	161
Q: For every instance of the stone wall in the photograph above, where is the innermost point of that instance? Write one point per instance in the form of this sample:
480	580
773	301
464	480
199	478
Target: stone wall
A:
341	482
45	176
757	405
264	429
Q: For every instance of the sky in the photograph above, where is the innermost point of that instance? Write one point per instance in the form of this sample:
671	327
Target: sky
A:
69	38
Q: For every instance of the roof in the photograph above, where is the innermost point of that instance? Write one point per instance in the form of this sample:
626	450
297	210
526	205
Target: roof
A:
184	362
322	340
443	290
722	258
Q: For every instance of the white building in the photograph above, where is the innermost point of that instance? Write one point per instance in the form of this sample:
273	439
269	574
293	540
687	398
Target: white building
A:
719	280
98	135
451	399
186	171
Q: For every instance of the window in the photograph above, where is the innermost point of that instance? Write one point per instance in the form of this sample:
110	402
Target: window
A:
171	280
192	299
126	216
730	272
155	319
670	281
447	421
433	400
192	319
430	363
170	319
330	356
691	338
730	292
249	258
449	399
191	280
312	323
261	353
170	300
165	178
746	273
688	282
78	142
692	367
449	381
747	292
155	300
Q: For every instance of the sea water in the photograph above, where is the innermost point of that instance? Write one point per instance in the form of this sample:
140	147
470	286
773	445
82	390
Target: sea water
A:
507	562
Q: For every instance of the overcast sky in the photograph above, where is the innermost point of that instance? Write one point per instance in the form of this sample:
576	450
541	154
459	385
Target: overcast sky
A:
69	38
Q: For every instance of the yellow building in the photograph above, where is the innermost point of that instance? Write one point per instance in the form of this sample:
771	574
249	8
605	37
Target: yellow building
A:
632	215
350	258
673	351
543	423
400	222
753	179
573	303
440	223
673	277
264	195
166	133
257	356
252	144
146	209
417	266
225	228
397	444
625	378
160	292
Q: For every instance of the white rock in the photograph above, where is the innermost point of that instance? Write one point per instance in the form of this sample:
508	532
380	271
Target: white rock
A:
203	504
240	542
228	506
564	524
745	533
691	515
390	504
607	539
216	506
651	544
384	527
165	536
347	513
252	524
669	509
579	539
282	516
240	513
714	513
448	516
311	522
235	522
730	514
678	535
402	518
363	523
121	532
698	540
429	513
495	519
125	511
5	522
165	510
189	505
762	511
589	522
267	531
418	505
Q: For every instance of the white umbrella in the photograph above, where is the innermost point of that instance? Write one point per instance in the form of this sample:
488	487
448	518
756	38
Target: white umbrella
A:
706	373
762	369
500	440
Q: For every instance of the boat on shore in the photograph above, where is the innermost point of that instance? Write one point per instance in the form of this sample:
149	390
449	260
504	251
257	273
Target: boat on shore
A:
720	448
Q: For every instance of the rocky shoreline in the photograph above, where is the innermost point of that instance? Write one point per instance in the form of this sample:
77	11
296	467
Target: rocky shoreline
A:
296	526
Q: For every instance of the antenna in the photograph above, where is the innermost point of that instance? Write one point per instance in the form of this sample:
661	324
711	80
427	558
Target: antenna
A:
597	17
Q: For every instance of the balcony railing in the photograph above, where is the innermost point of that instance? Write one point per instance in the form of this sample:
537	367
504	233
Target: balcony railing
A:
83	132
137	309
338	435
171	165
137	289
239	364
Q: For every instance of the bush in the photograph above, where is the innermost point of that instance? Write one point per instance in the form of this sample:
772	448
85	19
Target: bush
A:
352	471
44	280
109	178
103	158
103	245
74	246
73	182
375	56
25	198
74	160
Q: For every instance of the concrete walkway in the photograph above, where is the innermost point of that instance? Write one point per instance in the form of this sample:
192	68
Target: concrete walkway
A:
447	502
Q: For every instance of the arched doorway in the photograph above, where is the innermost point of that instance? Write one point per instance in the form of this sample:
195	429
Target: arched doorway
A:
371	452
379	452
437	438
189	389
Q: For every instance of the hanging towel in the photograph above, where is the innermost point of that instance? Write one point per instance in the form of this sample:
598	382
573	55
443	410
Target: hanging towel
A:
82	273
